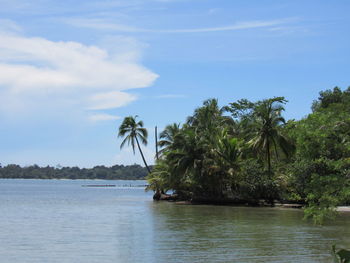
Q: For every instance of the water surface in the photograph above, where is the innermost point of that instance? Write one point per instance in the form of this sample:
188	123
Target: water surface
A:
61	221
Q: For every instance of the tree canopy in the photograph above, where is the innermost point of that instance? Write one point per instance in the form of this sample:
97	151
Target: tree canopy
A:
246	152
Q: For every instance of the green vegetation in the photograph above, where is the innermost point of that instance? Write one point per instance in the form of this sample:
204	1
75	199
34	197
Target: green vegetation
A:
340	256
120	172
246	152
134	132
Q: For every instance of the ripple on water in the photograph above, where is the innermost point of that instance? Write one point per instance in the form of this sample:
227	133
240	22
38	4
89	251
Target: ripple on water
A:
60	221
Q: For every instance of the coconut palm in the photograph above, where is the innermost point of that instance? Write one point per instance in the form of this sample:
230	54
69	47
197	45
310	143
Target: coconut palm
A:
158	180
167	136
185	157
221	164
267	120
209	116
134	132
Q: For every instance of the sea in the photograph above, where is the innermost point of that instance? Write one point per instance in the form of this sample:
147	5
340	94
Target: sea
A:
118	222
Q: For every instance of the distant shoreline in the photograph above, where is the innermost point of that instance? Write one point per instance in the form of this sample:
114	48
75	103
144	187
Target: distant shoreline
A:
101	172
68	179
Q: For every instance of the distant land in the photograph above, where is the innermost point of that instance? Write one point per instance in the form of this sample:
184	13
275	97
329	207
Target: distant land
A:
116	172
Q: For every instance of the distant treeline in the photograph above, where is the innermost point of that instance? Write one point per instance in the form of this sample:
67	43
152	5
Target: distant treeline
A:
116	172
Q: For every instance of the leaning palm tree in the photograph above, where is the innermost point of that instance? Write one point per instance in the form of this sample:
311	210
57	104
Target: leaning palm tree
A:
266	129
133	131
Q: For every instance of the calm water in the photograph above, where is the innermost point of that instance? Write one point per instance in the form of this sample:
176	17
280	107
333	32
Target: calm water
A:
61	221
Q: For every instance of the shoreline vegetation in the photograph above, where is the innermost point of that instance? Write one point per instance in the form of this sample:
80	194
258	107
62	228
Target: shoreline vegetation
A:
116	172
247	153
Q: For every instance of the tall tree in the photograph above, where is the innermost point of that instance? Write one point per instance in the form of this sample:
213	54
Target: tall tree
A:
267	136
209	119
167	136
134	132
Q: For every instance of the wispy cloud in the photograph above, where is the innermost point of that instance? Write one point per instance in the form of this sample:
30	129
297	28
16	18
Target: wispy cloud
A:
110	100
102	24
103	117
287	30
7	25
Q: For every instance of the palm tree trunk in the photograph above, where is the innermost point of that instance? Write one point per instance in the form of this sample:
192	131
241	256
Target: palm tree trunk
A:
156	134
268	156
276	151
143	158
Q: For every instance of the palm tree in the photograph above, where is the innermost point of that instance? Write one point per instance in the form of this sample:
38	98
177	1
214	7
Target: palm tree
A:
221	163
185	158
134	131
266	129
158	180
209	116
167	136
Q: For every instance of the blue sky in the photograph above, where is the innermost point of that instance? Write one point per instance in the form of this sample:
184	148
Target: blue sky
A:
70	71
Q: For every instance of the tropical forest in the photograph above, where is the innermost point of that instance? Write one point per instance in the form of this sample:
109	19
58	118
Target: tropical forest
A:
247	153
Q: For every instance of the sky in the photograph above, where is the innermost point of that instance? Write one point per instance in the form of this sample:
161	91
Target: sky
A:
70	71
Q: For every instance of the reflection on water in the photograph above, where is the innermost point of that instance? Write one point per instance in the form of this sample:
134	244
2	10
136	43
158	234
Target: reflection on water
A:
60	221
240	234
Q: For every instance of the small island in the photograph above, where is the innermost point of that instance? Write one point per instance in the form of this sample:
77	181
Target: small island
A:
246	153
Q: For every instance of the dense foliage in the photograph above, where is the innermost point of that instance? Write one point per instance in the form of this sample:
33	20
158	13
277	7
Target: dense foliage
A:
246	152
129	172
341	255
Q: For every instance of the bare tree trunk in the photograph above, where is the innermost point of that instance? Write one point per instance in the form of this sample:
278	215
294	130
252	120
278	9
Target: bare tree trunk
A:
156	134
268	156
143	158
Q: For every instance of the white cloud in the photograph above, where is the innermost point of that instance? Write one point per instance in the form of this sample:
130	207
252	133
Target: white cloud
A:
288	30
110	100
66	64
103	117
39	73
102	24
